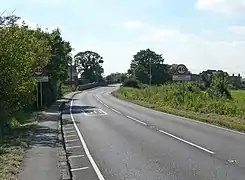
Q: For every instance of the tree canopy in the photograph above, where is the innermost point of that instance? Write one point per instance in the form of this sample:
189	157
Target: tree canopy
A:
89	65
146	62
22	50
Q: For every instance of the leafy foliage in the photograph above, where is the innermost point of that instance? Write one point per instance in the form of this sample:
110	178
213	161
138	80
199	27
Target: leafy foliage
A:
116	78
131	83
219	86
89	64
22	50
148	62
20	53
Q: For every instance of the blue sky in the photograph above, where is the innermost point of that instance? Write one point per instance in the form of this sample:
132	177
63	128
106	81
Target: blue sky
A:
203	34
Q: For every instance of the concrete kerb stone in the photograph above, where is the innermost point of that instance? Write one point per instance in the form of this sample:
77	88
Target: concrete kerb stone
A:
64	162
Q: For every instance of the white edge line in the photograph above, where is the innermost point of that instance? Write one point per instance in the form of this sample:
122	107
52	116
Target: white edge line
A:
100	176
136	120
187	142
77	169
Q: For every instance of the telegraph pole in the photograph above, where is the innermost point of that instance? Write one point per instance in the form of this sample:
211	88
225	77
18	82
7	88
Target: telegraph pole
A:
150	71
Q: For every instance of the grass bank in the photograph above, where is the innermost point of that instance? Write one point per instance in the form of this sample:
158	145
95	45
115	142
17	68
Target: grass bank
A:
190	102
14	144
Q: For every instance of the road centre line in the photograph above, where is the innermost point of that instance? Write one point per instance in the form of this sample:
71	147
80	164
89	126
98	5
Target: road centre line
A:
94	165
136	120
187	142
78	169
171	135
116	111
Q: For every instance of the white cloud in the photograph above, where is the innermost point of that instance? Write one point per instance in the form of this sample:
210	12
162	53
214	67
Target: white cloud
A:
33	25
132	24
196	52
221	6
240	30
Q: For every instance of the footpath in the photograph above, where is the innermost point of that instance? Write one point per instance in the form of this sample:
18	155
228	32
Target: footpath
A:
46	159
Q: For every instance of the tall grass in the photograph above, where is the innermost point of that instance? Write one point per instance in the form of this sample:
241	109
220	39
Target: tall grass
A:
189	98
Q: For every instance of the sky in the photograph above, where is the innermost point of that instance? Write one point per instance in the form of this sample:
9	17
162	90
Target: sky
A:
202	34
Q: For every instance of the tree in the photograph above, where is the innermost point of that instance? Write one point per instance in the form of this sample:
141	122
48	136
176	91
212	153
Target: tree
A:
116	77
21	51
147	62
89	65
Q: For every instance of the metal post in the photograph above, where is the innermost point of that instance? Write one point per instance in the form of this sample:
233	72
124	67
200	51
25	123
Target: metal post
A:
150	71
37	90
41	94
71	74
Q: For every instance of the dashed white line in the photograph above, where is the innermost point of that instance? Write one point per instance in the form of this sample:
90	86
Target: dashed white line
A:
72	147
76	156
116	111
187	142
72	140
136	120
78	169
100	176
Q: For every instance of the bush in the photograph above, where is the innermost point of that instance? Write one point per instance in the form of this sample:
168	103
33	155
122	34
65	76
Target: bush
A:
219	86
131	83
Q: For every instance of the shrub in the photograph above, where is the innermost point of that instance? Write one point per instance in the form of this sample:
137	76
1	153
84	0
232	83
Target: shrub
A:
131	83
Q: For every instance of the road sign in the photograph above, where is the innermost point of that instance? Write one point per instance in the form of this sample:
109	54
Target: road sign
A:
181	77
39	71
181	69
41	78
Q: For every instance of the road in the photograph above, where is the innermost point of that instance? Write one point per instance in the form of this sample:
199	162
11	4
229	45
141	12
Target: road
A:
111	139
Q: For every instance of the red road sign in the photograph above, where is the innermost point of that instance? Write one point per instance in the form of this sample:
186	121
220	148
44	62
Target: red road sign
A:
39	71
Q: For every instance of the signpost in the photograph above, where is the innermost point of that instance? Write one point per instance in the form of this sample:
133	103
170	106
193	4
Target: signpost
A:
181	76
40	79
181	73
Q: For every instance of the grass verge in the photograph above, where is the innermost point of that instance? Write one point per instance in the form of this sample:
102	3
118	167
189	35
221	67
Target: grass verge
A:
13	146
233	123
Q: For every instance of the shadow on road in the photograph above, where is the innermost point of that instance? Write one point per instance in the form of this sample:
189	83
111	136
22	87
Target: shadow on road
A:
78	109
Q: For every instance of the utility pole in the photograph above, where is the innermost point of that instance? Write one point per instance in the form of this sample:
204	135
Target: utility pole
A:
150	71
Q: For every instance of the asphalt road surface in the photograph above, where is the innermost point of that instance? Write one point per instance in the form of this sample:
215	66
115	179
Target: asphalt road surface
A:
110	139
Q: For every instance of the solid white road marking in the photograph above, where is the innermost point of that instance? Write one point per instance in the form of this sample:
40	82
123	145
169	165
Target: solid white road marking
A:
68	136
69	128
136	120
76	156
116	111
78	169
187	142
72	147
72	140
68	132
100	176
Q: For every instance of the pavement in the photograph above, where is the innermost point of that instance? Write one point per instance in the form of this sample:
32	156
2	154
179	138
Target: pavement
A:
110	139
45	157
